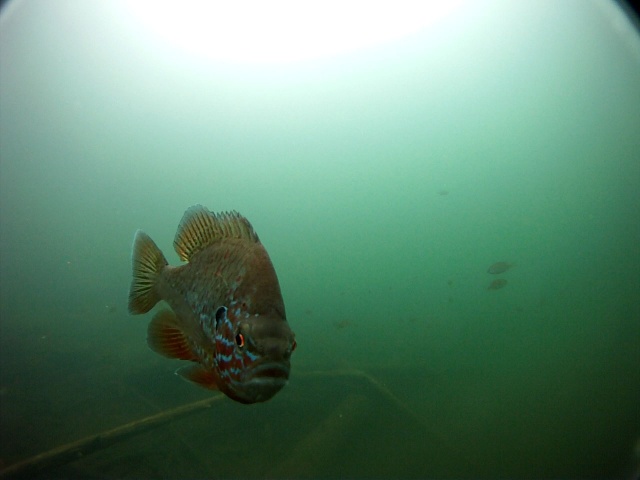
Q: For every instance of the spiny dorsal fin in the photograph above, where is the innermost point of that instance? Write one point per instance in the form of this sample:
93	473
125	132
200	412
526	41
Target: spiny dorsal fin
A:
164	336
199	227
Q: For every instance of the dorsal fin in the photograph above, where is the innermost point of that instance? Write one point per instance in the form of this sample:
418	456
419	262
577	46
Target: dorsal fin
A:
199	228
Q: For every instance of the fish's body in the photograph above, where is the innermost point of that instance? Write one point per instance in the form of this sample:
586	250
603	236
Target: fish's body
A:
497	284
227	314
499	267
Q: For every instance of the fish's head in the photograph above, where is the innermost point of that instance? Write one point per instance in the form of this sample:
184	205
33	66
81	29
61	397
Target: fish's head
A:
253	355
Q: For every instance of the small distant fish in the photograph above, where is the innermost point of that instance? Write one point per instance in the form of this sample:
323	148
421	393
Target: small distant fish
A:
227	316
443	192
497	284
339	325
499	267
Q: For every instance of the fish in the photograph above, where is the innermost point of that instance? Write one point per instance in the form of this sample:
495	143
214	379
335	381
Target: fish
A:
339	325
227	315
499	267
497	284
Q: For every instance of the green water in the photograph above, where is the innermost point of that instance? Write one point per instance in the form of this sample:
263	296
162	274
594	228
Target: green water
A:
383	183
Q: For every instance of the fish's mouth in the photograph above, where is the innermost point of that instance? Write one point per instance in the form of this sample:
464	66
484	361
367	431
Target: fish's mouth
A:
265	380
270	372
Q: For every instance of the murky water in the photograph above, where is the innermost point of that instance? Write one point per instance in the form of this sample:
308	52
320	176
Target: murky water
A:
408	364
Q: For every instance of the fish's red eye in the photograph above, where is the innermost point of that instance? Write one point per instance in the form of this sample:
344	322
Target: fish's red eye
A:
294	345
240	340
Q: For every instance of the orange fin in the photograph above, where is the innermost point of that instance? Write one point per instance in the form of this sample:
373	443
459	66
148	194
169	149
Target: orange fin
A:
199	228
165	337
148	261
196	373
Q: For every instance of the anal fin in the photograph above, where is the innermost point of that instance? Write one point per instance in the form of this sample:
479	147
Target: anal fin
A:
164	336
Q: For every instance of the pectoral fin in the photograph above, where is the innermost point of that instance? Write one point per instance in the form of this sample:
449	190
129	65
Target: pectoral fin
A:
165	336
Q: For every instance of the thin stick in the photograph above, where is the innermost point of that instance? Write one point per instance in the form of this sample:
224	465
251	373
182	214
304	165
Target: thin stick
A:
315	454
75	450
379	386
385	392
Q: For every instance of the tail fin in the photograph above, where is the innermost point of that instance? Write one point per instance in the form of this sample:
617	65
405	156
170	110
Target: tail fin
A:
148	261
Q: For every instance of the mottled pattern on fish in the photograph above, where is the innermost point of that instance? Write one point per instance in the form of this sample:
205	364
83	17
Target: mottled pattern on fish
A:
499	267
227	317
497	284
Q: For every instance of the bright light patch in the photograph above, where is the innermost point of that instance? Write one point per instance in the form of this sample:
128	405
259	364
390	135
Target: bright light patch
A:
284	30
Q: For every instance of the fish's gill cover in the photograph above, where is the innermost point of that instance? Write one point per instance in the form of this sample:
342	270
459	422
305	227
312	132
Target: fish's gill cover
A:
200	227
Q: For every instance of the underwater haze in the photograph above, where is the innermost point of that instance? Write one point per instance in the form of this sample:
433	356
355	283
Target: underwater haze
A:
385	183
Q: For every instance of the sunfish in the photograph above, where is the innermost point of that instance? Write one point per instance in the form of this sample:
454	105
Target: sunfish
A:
227	314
